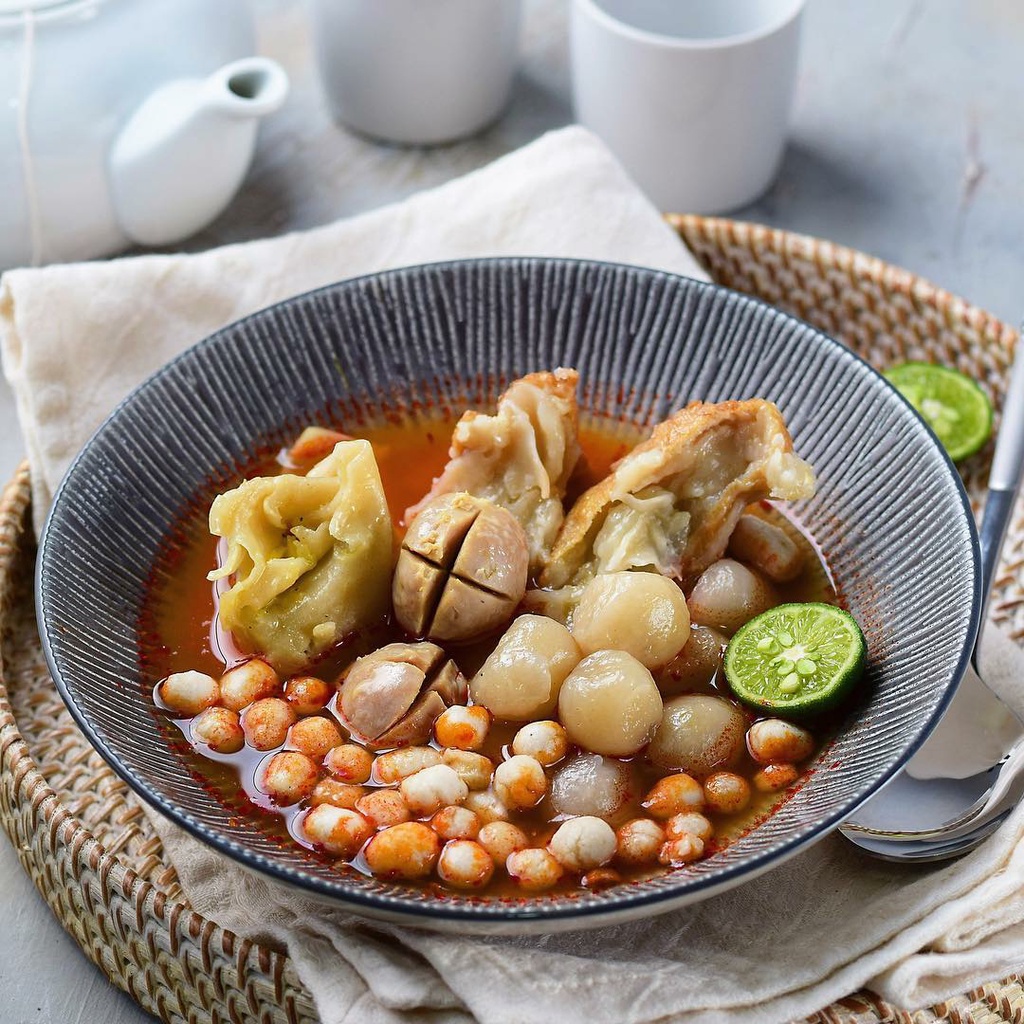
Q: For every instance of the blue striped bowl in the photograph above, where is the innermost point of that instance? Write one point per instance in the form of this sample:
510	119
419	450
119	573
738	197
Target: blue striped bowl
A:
890	516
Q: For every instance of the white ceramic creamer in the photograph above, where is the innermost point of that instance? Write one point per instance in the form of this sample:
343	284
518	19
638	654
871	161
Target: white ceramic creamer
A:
123	121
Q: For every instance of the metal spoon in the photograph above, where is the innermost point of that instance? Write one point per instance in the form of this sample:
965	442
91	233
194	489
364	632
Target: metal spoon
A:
929	852
969	773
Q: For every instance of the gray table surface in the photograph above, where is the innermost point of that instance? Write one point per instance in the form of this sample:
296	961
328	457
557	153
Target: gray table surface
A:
906	143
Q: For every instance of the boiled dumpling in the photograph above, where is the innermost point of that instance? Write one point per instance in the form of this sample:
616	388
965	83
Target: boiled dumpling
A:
671	504
310	557
521	457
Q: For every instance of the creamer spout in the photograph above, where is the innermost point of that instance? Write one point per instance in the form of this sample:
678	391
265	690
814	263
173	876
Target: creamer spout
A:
182	155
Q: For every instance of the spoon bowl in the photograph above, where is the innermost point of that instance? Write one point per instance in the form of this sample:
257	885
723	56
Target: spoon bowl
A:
969	773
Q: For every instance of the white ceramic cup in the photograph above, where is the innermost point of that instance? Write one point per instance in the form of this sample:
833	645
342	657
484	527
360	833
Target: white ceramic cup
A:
416	71
693	96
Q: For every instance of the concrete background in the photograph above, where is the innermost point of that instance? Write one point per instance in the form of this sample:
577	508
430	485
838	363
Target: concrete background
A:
907	143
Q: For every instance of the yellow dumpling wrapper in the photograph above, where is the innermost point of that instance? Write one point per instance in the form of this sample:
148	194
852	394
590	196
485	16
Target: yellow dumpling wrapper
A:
310	556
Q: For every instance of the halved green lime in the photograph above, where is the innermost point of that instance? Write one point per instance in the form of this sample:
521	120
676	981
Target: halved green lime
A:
952	405
796	659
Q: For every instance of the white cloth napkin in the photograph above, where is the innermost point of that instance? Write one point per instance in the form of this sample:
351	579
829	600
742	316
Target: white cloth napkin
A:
77	338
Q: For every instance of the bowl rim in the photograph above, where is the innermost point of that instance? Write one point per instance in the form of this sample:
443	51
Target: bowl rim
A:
499	916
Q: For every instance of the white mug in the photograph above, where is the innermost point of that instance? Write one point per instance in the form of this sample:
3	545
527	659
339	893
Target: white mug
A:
693	96
416	71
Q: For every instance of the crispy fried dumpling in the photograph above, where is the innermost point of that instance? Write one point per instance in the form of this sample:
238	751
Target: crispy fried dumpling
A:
672	502
311	557
521	457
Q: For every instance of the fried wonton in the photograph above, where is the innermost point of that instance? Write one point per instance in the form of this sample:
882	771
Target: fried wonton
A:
521	457
311	557
670	505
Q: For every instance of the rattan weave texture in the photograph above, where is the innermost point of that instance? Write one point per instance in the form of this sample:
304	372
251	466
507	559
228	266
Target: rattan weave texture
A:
89	849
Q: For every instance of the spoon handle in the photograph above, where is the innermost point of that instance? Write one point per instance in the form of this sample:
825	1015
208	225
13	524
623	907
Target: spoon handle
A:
1003	482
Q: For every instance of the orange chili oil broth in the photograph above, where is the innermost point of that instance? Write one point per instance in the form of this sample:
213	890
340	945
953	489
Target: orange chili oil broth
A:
177	628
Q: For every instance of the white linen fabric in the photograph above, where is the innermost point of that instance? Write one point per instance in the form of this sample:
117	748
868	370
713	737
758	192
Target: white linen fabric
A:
780	947
75	339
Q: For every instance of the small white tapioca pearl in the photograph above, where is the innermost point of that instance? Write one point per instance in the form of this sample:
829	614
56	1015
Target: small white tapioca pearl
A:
677	852
455	823
547	742
484	803
639	841
266	723
533	870
314	736
674	794
188	693
500	838
465	864
432	788
384	807
349	762
251	681
474	769
773	741
580	844
409	850
520	782
726	793
464	728
339	831
219	729
689	823
289	777
395	765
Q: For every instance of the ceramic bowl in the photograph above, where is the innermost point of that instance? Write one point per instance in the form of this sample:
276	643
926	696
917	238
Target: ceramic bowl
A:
890	517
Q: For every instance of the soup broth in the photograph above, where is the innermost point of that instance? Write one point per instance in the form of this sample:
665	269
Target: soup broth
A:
179	633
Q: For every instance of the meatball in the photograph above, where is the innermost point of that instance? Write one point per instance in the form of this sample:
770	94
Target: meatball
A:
462	569
767	547
609	704
728	595
521	679
698	734
696	665
641	613
590	784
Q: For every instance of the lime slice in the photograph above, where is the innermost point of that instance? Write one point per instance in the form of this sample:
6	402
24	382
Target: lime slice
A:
952	405
796	659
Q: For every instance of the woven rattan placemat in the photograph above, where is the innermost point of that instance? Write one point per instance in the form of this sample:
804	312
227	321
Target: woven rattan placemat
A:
91	852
